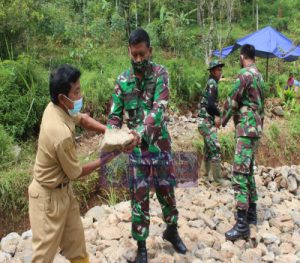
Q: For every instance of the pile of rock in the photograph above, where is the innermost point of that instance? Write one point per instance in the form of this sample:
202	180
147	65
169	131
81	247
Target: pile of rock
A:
206	213
281	178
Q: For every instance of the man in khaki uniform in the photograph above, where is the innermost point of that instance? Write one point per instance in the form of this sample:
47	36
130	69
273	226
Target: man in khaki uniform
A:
53	210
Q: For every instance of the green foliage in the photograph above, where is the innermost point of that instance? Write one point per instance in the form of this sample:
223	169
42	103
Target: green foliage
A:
186	82
85	188
227	142
23	96
13	188
6	143
273	135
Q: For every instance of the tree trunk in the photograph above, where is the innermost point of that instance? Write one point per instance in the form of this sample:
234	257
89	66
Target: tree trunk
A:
149	11
136	14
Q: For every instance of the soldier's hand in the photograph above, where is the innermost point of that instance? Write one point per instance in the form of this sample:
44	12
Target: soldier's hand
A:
135	141
218	122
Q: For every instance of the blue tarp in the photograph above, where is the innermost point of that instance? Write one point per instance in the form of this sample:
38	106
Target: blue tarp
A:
224	52
268	43
293	55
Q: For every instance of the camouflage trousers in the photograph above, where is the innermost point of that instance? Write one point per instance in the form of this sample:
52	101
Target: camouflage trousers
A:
243	180
212	149
141	178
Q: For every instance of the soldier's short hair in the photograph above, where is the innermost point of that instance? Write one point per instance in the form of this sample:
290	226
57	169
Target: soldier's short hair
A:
61	79
138	36
248	51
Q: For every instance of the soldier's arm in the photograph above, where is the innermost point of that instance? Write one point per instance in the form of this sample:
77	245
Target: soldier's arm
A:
115	118
212	108
153	122
232	103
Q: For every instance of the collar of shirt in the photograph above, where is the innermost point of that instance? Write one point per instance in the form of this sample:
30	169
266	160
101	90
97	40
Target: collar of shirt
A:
212	77
65	117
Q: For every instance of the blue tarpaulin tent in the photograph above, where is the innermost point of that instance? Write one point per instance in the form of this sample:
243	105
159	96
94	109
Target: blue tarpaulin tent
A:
268	43
293	55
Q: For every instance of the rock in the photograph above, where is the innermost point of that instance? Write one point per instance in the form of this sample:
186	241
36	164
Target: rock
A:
163	258
287	258
276	199
270	257
251	256
4	257
27	234
196	223
208	220
270	238
272	186
292	184
98	213
87	222
277	110
10	242
228	250
296	218
109	232
286	248
209	253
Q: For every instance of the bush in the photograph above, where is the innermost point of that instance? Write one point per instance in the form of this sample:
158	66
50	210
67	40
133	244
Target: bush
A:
23	96
13	188
6	155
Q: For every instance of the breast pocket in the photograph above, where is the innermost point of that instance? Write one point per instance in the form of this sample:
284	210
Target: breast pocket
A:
131	106
149	95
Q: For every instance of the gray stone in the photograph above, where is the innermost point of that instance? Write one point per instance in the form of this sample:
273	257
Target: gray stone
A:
98	213
27	234
277	110
292	184
10	242
270	238
270	257
4	257
272	186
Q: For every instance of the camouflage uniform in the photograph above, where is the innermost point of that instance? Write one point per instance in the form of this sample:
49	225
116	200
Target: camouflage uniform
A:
246	104
207	128
144	103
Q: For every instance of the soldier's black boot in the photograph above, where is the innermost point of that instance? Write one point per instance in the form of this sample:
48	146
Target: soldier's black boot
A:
141	256
241	227
252	215
171	235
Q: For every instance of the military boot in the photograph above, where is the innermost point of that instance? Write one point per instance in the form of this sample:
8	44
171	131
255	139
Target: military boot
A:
141	256
205	167
252	215
171	235
241	227
216	174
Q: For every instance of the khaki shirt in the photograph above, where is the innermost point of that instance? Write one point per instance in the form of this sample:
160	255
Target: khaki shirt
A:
56	161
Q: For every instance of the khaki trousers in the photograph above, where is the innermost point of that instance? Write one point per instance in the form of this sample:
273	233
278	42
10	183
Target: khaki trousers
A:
55	222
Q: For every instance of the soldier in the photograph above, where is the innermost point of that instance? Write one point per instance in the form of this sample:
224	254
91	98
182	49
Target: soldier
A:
53	209
142	92
246	105
209	117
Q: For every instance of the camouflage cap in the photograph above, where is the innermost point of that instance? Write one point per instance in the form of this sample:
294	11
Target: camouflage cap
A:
215	63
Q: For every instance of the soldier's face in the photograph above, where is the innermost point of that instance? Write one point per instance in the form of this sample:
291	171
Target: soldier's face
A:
139	52
217	72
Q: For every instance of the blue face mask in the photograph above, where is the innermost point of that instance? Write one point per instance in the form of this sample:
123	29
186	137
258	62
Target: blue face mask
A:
77	106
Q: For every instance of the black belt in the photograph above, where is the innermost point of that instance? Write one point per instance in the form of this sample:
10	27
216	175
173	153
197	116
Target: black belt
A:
62	185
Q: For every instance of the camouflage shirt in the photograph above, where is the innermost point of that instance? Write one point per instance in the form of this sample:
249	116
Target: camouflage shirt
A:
209	101
246	103
144	103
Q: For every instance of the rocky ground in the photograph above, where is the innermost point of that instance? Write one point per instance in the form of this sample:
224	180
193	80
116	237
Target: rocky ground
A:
206	212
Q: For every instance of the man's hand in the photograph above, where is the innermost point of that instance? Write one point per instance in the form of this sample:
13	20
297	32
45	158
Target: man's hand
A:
135	141
218	122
